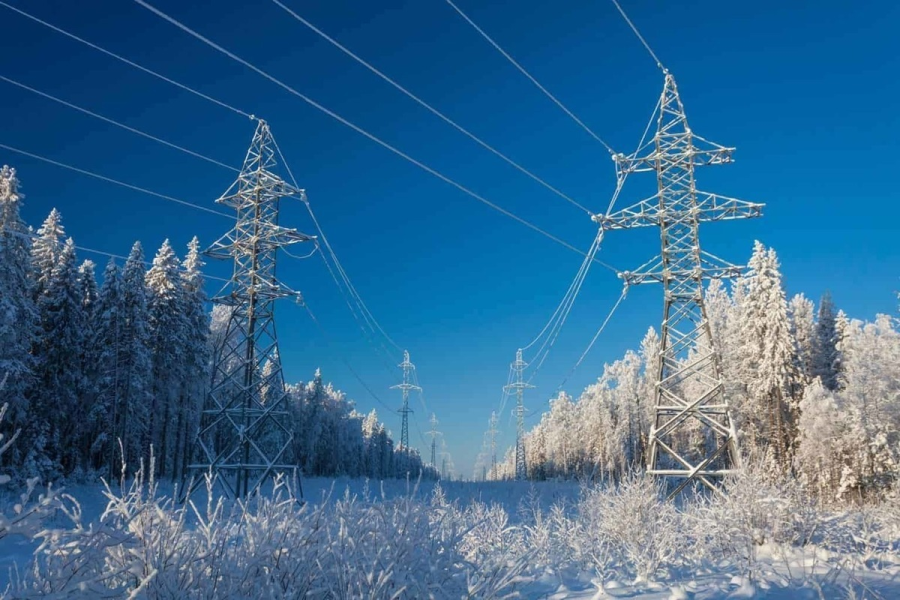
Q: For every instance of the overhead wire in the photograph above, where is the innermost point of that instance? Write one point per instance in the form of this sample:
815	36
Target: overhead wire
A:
361	313
360	130
115	181
343	359
427	106
560	315
118	124
128	62
530	77
33	236
640	37
596	335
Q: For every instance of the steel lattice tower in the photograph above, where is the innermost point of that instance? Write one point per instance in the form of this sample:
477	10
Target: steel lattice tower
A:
519	386
244	430
434	433
405	387
689	388
493	433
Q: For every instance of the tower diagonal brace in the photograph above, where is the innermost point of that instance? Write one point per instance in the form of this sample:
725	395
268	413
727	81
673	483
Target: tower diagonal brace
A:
693	437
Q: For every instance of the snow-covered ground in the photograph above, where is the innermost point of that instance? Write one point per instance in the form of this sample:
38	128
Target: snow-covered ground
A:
355	538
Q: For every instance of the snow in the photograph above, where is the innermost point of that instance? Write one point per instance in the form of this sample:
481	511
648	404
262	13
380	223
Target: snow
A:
538	540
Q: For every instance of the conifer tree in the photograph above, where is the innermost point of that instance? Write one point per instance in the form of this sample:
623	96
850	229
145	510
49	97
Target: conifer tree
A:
803	331
45	251
195	356
166	328
133	396
768	350
826	344
18	318
60	349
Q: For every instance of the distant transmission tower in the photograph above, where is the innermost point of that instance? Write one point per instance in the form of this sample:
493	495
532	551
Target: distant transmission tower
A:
434	433
689	386
492	432
405	387
245	430
519	386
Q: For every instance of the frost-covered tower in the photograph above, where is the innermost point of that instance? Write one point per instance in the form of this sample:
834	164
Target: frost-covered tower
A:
689	395
405	387
245	432
518	385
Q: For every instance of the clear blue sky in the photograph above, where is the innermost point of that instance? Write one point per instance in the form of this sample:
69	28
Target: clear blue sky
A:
806	91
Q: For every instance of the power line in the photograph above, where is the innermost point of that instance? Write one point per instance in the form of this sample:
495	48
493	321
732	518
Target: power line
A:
328	341
596	335
127	62
360	130
530	77
117	124
32	236
640	37
428	107
115	181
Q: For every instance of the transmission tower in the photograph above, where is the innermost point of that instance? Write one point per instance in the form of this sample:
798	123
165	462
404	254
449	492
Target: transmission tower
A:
405	387
492	432
245	429
434	433
518	386
689	389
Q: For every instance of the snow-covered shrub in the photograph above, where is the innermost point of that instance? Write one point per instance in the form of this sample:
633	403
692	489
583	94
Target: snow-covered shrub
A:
630	527
273	546
754	509
25	515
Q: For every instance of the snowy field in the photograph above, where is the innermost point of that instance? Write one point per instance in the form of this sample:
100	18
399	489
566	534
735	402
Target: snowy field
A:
356	539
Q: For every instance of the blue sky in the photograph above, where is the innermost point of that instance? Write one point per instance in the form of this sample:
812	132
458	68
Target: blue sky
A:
805	91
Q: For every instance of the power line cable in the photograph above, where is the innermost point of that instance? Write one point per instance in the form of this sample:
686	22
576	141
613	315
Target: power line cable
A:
118	124
640	37
328	341
32	236
596	335
430	108
530	77
115	181
127	62
360	130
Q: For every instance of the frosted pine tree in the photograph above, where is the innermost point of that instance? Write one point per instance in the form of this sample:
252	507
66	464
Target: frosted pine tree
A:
825	344
88	393
195	357
60	349
132	414
768	351
45	251
841	350
18	320
107	340
803	331
167	329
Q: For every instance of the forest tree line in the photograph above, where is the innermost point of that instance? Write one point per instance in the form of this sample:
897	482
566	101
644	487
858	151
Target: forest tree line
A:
812	392
95	374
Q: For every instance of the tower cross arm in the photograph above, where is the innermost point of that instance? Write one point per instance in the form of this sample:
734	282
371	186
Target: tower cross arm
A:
678	269
709	207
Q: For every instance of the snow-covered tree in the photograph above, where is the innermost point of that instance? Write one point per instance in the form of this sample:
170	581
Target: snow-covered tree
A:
767	348
60	350
46	250
18	318
826	344
803	330
167	328
132	410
